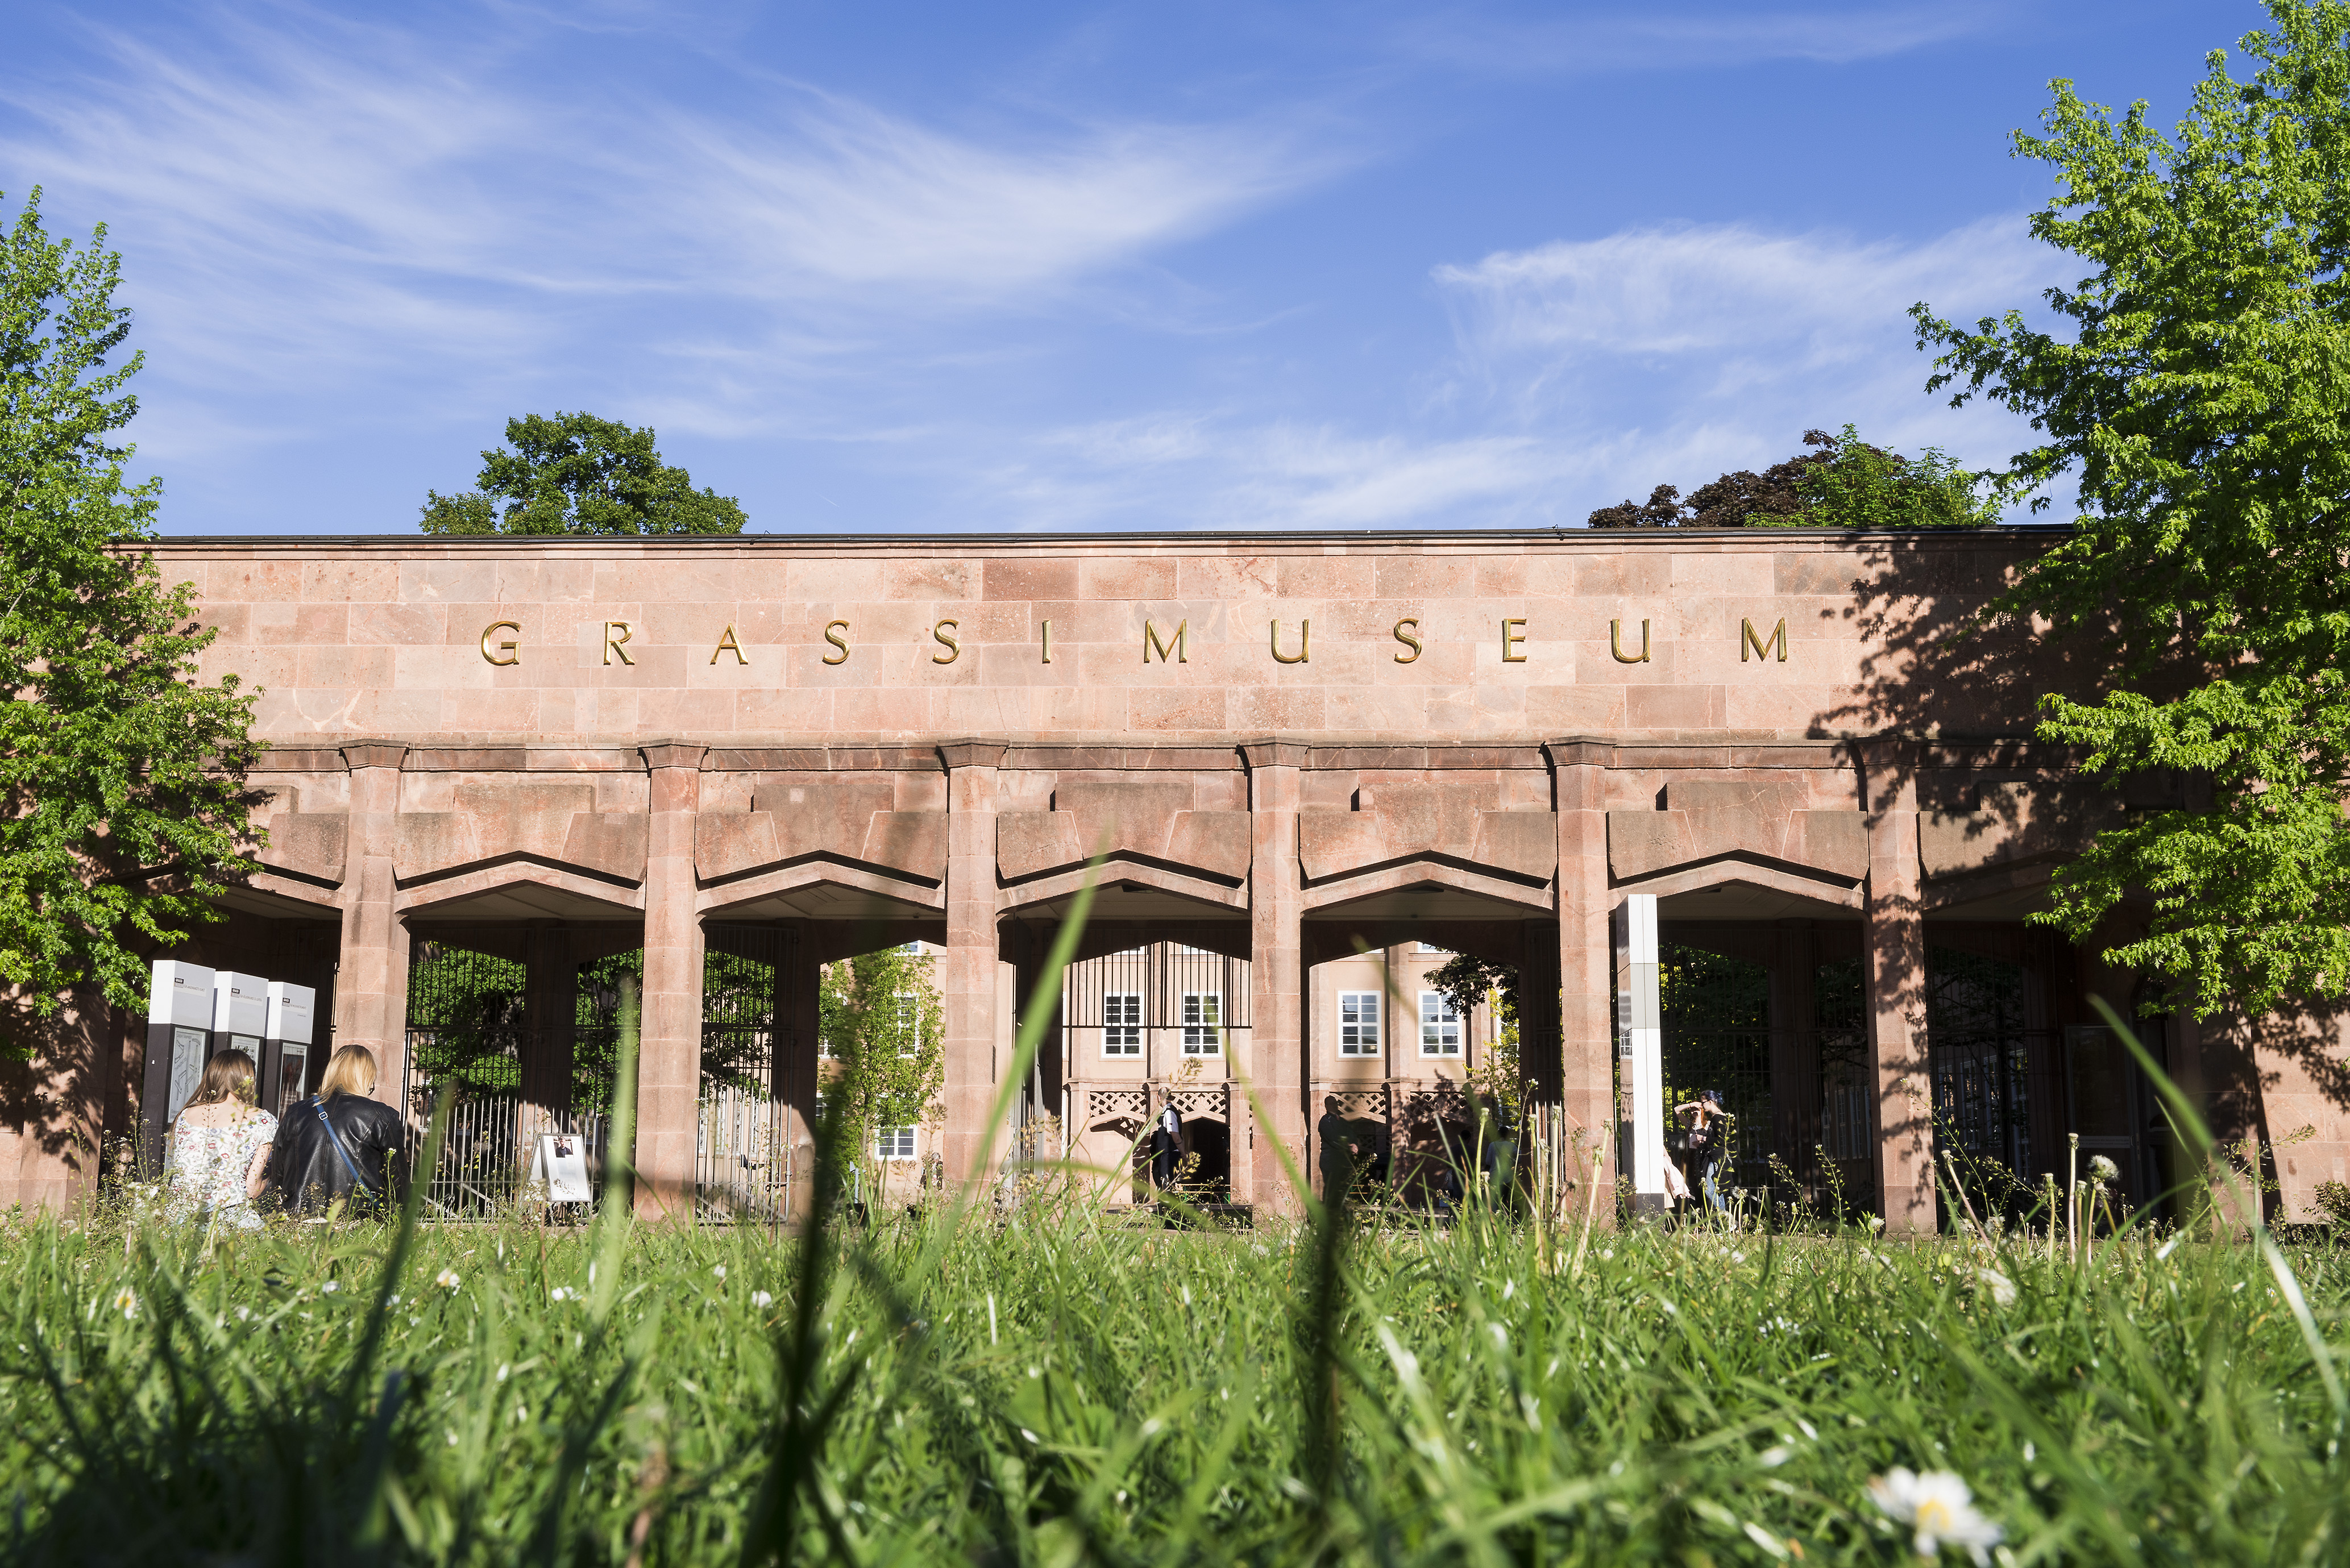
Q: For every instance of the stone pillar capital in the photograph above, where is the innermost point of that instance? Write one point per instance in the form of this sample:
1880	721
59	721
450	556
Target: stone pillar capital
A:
1274	752
1579	751
972	754
374	755
673	754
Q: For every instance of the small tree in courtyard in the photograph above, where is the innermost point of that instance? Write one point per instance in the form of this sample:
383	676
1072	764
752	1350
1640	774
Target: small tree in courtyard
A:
883	1034
122	810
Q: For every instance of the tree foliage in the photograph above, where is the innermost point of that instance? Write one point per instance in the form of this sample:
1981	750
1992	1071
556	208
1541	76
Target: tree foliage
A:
2195	384
576	474
883	1025
1464	980
1842	482
121	806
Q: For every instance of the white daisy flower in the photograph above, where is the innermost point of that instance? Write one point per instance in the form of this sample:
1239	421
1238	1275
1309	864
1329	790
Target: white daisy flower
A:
1940	1508
719	1269
126	1302
447	1280
761	1299
329	1288
2002	1289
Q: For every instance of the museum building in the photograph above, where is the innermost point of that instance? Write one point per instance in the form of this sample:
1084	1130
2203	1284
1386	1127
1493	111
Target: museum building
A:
1299	771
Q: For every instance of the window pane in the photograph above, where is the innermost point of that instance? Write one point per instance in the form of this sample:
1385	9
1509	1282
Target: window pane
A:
1440	1025
1202	1012
1122	1023
1358	1022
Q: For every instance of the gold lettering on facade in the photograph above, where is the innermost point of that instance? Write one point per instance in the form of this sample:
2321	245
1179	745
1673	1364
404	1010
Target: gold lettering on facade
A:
1514	640
1758	646
1304	644
1615	643
832	634
726	644
617	632
1152	644
944	632
1407	638
505	648
1046	627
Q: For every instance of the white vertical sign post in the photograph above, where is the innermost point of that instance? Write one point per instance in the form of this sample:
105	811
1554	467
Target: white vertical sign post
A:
240	1013
1639	1042
285	1045
179	1043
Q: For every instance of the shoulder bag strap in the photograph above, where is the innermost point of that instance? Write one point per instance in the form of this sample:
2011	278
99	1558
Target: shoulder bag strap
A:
335	1142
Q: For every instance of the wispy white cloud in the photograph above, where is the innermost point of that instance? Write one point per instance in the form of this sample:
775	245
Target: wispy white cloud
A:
312	201
1689	350
1504	45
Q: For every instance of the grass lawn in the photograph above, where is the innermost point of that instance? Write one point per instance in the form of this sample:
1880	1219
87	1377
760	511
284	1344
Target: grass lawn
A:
1062	1390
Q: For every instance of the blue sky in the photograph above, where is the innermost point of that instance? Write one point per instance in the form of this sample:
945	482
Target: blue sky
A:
1054	266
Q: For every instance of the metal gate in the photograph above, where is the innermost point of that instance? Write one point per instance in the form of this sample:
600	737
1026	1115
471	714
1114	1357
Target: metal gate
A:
469	1028
743	1152
519	1072
1980	1053
1717	1035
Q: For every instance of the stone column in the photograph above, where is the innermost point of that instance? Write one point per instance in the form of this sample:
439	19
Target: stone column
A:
549	1013
371	986
967	980
799	1019
669	1064
1894	954
1277	1064
1794	1043
1583	1074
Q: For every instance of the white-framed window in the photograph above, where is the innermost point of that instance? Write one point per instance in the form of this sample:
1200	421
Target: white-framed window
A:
1203	1020
1359	1024
1433	948
1122	1023
894	1143
912	949
1440	1025
823	1049
907	1010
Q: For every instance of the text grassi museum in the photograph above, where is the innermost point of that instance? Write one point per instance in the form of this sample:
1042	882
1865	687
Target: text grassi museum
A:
1167	647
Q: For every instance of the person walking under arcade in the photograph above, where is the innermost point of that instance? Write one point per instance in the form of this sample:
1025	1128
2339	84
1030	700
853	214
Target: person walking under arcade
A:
1708	1140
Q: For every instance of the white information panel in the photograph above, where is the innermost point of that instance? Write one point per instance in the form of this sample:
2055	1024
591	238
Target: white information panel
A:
1640	1039
240	1011
560	1169
291	1011
179	1028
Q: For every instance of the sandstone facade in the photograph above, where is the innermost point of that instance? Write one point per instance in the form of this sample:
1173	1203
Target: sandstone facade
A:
1300	752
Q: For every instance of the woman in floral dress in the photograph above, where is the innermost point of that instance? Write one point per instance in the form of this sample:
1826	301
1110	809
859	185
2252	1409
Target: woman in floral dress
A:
220	1146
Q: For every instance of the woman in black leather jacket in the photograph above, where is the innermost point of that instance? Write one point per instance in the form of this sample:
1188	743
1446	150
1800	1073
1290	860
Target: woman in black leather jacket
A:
339	1144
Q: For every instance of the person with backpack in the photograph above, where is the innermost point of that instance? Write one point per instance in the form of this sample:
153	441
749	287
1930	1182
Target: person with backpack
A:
340	1152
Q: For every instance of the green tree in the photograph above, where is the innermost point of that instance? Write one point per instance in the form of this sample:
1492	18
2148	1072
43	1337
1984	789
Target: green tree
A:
123	807
1465	980
576	474
2195	383
882	1025
1842	482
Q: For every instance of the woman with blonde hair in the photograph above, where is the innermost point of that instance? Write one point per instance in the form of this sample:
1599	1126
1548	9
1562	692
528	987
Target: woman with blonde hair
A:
338	1146
218	1153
